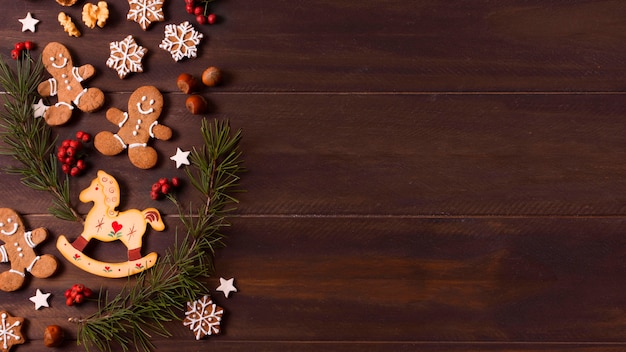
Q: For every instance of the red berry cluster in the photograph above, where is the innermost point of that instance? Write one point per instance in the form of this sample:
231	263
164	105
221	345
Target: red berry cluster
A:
20	47
163	187
72	162
77	294
200	9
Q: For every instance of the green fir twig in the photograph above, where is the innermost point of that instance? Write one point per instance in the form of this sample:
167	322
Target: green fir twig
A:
29	140
159	295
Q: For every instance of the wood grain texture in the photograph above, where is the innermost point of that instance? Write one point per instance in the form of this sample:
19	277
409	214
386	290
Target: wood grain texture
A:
432	175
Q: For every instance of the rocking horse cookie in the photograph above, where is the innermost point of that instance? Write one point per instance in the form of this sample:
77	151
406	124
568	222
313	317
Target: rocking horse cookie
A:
105	223
66	84
18	250
137	126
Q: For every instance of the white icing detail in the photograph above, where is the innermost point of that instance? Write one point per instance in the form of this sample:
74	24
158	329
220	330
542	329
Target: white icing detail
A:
142	111
17	272
59	66
30	267
134	133
28	236
53	86
120	140
21	255
77	75
70	106
80	95
123	121
152	127
137	145
11	232
4	257
64	75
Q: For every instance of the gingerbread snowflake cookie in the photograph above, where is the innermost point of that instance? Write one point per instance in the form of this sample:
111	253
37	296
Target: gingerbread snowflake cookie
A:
181	40
145	12
203	317
126	56
10	331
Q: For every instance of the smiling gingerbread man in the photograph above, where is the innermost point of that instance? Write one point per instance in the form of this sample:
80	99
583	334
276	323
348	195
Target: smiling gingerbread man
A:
18	249
137	126
66	84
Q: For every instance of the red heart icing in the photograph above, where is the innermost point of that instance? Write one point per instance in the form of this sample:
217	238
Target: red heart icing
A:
116	226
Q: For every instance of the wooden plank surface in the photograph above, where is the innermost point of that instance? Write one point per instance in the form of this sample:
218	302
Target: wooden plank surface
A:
432	175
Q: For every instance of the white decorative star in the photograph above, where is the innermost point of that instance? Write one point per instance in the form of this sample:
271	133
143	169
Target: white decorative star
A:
181	158
39	108
28	23
40	299
227	286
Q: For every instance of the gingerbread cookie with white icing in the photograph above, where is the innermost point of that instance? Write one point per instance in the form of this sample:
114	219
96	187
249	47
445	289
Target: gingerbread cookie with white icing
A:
66	84
18	250
137	127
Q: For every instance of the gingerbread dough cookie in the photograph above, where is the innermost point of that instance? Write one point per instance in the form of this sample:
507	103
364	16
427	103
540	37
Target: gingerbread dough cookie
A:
137	126
18	249
66	84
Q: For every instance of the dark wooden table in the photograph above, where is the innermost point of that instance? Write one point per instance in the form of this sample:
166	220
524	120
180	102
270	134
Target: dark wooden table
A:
423	175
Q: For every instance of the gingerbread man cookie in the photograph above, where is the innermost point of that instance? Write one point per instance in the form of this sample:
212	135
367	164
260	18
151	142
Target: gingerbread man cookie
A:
18	250
137	126
66	83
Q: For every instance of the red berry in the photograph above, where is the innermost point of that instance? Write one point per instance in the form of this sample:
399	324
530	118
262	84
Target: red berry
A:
87	292
29	45
69	161
201	19
15	54
211	18
175	181
163	180
198	10
86	137
70	151
61	154
156	187
155	195
75	171
79	298
65	168
79	134
190	2
69	301
81	164
189	8
19	46
66	143
165	189
76	144
68	292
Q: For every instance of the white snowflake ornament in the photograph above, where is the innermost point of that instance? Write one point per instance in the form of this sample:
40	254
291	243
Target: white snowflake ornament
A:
126	56
10	331
145	12
181	40
203	317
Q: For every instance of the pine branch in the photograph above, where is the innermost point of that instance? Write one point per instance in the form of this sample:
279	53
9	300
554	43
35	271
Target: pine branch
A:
159	294
29	140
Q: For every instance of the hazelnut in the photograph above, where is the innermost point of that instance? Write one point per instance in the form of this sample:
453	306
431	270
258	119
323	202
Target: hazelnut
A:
212	76
196	104
53	336
187	83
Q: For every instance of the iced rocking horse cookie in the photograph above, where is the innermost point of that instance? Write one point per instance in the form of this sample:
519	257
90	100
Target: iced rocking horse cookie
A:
105	223
18	250
66	84
137	127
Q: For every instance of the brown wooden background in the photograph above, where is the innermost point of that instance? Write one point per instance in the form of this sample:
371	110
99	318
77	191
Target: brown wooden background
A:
423	175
